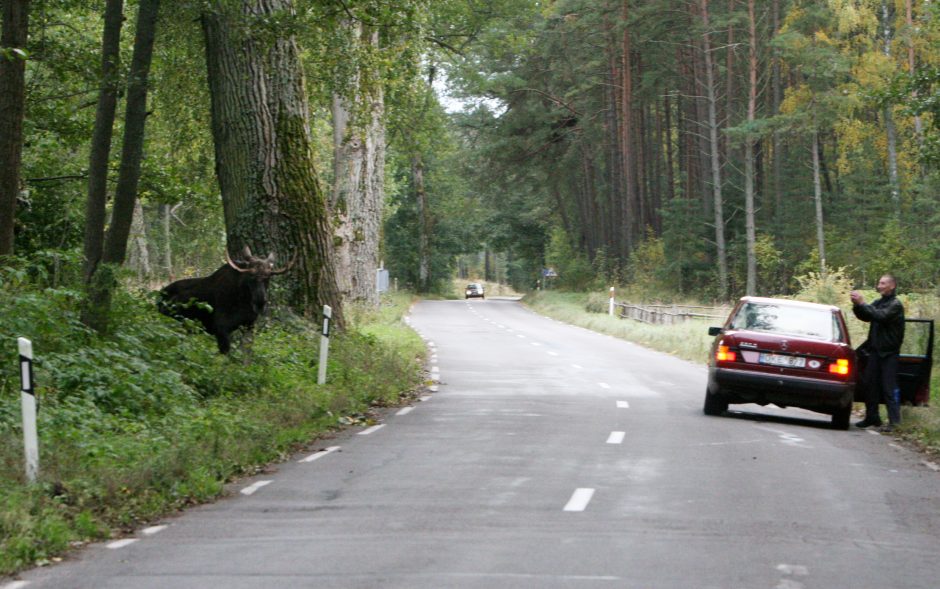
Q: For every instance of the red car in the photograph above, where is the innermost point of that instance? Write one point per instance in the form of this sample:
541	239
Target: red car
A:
789	353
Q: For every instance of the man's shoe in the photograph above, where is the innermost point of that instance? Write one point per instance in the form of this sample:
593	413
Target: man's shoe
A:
887	429
868	423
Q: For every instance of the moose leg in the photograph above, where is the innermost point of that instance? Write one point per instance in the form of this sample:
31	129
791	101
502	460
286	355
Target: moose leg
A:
223	338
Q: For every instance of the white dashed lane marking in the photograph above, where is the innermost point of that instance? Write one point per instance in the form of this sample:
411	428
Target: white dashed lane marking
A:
121	543
623	405
153	530
552	353
932	466
616	437
249	490
372	429
16	585
603	385
579	500
578	366
320	454
405	411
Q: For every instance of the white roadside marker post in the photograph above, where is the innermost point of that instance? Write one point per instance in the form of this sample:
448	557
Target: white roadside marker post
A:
610	310
28	395
324	344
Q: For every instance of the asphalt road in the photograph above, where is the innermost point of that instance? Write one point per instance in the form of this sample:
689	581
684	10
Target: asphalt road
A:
550	456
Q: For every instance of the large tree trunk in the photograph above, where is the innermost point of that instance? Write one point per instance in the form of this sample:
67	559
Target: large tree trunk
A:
100	152
817	197
751	286
714	147
15	14
271	195
101	281
358	186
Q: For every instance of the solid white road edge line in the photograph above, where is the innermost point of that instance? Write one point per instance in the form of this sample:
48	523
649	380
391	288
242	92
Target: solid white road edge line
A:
153	530
320	454
579	500
16	585
372	429
623	405
932	466
121	543
405	410
616	437
252	488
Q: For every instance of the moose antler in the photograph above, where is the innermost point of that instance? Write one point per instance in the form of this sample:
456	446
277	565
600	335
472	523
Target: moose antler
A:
231	263
288	266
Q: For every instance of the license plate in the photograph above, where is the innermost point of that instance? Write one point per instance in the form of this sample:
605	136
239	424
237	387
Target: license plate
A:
781	360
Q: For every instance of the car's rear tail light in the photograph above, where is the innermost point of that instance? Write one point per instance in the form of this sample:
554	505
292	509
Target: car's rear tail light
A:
725	354
840	366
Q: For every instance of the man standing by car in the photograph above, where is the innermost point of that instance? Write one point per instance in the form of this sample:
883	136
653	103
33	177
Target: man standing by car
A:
885	335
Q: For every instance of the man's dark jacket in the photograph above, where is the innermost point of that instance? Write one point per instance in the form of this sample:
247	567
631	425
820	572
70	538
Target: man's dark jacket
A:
886	331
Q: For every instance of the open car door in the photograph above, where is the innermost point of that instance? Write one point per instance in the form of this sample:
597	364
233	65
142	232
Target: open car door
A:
914	365
916	361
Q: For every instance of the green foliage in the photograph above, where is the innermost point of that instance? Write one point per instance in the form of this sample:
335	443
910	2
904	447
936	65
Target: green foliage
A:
574	271
831	288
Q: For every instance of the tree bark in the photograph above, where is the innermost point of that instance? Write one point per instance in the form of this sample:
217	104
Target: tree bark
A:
101	282
135	118
358	190
777	143
630	204
424	225
14	36
918	123
100	152
817	197
892	136
271	195
751	285
715	156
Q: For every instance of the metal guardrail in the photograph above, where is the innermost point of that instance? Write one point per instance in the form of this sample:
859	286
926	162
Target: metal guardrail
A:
670	314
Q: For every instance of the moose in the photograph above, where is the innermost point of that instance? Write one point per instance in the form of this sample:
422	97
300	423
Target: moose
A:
231	297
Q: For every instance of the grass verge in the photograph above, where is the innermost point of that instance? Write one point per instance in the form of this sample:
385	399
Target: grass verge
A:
152	419
690	341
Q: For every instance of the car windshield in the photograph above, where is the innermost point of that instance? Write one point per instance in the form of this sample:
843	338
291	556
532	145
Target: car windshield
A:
791	320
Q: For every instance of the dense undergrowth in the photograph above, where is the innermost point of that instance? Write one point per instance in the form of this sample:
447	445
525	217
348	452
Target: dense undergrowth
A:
152	418
690	340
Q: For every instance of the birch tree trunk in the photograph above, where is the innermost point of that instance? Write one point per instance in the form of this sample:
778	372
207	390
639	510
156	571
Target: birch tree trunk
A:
359	182
751	286
893	182
424	225
715	156
100	152
271	195
15	15
139	258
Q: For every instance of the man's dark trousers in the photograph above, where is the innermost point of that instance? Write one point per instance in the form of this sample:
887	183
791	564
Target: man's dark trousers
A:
881	377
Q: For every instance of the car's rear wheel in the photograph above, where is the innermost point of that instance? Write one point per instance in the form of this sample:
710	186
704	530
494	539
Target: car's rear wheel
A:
841	417
714	404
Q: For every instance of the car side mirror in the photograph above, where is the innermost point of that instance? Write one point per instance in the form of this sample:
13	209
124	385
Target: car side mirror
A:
714	330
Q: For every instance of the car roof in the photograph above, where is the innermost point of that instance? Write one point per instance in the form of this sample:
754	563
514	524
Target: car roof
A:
790	303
